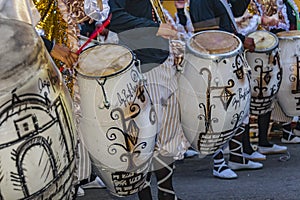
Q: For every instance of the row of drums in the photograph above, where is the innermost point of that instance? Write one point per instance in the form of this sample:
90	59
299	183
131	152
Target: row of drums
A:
38	137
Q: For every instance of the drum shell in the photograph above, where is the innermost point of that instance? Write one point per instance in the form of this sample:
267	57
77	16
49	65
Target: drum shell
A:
266	76
120	137
289	92
37	133
202	83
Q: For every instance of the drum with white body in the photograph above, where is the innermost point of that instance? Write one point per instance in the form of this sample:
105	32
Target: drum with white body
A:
214	89
37	134
118	119
266	72
289	92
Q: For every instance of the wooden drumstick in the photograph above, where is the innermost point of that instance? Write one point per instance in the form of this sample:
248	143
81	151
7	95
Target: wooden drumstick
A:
100	4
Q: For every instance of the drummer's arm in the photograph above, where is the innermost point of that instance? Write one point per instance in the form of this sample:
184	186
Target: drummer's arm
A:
122	20
60	52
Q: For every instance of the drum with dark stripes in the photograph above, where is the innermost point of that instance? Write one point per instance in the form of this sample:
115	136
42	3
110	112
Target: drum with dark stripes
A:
266	72
118	123
289	92
214	89
37	134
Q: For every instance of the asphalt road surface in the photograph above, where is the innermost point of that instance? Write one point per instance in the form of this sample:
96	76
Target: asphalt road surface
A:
193	180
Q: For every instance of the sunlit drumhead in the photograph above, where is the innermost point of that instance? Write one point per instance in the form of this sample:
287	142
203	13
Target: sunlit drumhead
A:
264	41
289	34
104	60
210	44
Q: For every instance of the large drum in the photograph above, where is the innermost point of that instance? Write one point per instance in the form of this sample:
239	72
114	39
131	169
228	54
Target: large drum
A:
289	92
266	72
214	89
118	119
37	134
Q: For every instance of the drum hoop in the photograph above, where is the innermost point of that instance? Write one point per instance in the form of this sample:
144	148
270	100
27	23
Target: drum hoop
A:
113	74
267	49
216	57
296	37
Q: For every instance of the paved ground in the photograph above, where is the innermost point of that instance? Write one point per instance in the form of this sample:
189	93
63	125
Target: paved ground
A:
193	180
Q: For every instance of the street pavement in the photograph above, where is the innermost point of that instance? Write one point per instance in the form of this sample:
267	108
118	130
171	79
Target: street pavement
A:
193	180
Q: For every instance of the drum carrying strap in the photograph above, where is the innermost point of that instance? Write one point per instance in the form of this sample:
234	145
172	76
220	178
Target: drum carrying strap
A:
158	9
295	9
228	9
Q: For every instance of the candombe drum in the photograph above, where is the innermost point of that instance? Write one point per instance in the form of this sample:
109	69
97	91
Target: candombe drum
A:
118	121
214	90
37	134
289	92
266	72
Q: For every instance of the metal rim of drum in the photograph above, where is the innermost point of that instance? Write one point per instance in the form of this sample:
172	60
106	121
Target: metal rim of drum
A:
215	56
113	74
267	49
289	37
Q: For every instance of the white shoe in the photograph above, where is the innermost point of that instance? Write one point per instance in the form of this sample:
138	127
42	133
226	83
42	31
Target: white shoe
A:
291	138
80	192
221	170
255	156
249	165
225	174
190	153
275	149
97	183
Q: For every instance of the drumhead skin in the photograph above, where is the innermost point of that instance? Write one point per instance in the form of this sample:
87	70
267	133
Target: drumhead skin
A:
104	61
214	44
37	132
264	41
290	35
289	93
214	90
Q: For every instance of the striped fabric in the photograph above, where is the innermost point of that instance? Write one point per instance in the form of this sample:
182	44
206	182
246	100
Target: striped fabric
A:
162	86
84	169
278	115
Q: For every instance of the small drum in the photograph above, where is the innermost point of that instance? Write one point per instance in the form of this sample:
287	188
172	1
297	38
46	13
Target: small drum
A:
289	92
214	89
118	122
37	134
266	73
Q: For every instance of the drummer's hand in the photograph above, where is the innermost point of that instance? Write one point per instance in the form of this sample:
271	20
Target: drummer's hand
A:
249	44
167	31
270	21
104	32
64	54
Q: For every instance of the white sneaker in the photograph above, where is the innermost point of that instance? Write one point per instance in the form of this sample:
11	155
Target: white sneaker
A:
97	183
190	153
291	139
275	149
225	174
80	192
249	165
255	156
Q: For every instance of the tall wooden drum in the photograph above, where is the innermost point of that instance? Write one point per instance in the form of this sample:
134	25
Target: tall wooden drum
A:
266	72
289	92
118	122
214	90
37	134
